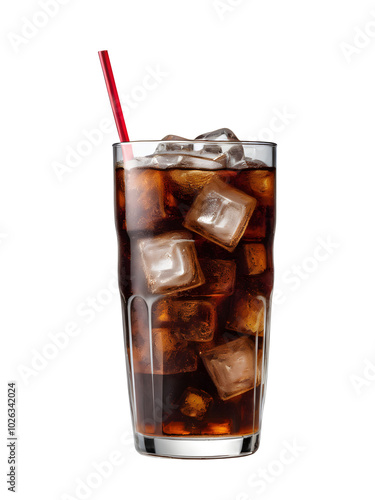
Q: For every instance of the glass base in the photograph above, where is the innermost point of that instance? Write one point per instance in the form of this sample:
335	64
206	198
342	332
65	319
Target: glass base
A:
217	447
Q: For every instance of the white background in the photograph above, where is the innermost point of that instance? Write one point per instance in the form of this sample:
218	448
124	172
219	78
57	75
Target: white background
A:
233	63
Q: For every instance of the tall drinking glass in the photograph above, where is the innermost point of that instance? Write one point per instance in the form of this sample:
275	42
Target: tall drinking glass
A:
195	223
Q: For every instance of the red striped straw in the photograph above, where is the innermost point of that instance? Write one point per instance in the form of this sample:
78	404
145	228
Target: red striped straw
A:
113	95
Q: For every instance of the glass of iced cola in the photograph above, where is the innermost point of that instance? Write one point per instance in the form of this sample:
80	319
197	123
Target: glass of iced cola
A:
195	222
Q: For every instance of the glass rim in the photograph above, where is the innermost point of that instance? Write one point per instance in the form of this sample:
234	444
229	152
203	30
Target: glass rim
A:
200	141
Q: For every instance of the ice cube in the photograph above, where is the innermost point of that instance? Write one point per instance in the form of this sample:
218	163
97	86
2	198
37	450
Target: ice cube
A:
254	258
195	403
165	341
222	159
166	161
179	428
220	213
255	164
139	162
169	354
212	150
262	183
161	313
259	183
220	277
178	159
172	355
174	146
190	320
194	320
147	202
187	183
221	134
185	161
236	157
193	162
247	313
215	427
170	262
233	367
214	153
144	198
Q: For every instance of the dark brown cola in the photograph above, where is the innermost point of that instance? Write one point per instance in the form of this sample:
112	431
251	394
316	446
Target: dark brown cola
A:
196	276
